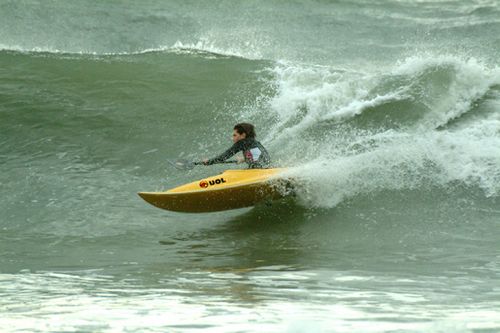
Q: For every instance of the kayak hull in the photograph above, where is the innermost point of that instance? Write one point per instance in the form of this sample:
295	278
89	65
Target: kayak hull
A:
230	190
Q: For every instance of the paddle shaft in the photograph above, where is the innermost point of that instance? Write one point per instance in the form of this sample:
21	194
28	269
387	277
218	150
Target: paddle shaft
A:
222	162
188	165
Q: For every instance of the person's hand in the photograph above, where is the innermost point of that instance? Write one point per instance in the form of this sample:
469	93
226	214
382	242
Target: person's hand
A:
205	161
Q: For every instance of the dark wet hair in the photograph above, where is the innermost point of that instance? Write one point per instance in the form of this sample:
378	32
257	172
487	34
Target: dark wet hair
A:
246	128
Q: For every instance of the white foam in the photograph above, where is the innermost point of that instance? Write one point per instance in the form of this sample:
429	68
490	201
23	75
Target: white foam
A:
403	161
348	161
470	81
62	302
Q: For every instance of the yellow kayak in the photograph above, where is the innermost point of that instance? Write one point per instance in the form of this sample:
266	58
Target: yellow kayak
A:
230	190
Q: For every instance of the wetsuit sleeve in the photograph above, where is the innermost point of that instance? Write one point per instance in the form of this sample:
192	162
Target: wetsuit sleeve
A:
237	147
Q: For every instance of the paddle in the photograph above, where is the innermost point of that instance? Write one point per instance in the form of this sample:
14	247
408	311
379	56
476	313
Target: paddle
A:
183	164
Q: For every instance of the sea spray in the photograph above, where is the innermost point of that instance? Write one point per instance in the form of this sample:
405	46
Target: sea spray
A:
349	133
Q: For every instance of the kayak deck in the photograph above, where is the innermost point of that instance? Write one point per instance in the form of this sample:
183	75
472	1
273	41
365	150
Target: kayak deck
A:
230	190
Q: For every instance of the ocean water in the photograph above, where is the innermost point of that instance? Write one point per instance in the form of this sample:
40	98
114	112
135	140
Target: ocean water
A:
386	112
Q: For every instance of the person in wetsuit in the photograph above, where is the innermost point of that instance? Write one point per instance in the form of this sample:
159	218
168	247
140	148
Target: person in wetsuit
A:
254	154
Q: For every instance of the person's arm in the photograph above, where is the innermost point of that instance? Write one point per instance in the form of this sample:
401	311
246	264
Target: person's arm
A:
225	155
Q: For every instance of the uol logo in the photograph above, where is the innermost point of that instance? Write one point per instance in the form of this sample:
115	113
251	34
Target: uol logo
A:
205	184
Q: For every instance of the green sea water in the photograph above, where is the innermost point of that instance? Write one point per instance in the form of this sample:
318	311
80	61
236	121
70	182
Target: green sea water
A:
386	112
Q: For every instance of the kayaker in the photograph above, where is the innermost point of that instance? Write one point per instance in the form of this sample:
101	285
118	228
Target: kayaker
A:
254	154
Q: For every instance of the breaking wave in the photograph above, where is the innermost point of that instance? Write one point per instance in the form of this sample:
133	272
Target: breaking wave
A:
428	121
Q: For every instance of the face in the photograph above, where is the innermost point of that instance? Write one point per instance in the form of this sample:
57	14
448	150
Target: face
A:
237	136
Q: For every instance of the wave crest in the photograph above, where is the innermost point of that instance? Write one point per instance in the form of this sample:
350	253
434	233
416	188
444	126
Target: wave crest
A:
203	47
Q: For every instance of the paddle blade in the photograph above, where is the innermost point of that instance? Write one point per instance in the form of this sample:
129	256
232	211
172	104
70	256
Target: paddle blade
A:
182	164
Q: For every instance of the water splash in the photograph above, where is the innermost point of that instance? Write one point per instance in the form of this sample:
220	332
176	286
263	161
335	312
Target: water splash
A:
429	121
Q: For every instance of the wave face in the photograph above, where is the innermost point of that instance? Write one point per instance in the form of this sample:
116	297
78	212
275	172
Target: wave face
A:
385	112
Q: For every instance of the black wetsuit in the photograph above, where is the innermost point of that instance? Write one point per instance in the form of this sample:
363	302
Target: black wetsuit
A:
255	154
